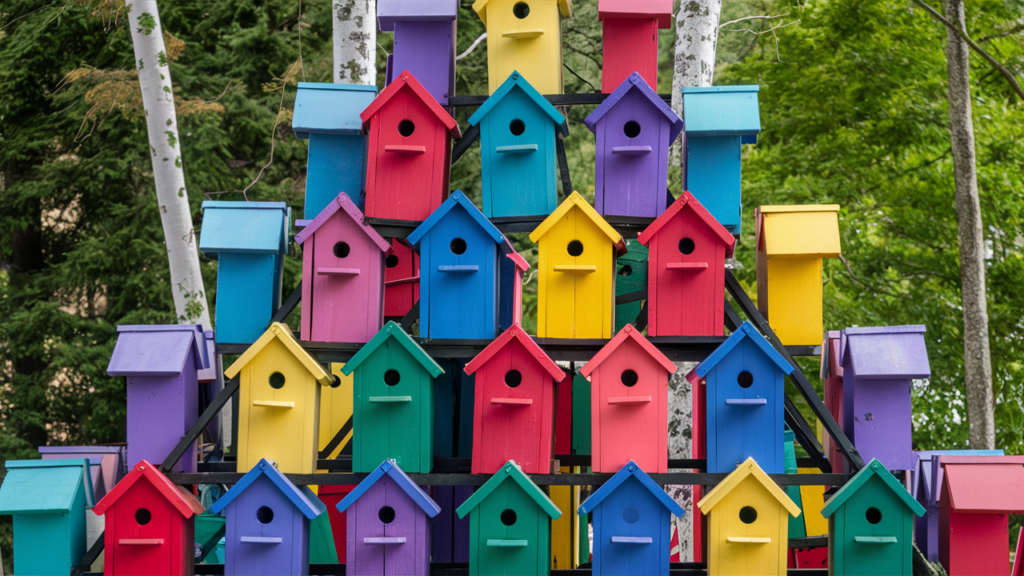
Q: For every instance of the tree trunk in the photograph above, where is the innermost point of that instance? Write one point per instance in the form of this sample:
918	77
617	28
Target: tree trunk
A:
190	303
355	41
977	358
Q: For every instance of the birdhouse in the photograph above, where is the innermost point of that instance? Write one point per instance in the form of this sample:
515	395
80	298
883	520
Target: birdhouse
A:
634	129
719	120
328	116
150	525
388	524
632	519
453	410
686	275
48	501
629	403
518	128
401	279
342	263
791	242
249	240
408	151
878	366
748	524
743	383
524	35
107	464
576	292
832	375
393	402
510	297
424	42
509	525
630	39
278	402
459	251
630	277
515	399
449	534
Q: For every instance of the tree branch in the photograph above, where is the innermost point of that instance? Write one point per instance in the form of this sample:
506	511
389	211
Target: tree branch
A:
1010	32
753	18
471	47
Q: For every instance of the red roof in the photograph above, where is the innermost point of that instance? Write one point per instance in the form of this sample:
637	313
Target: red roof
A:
184	502
407	80
980	484
628	331
516	332
517	259
687	199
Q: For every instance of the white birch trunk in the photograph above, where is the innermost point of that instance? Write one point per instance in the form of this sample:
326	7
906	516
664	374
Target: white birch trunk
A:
355	41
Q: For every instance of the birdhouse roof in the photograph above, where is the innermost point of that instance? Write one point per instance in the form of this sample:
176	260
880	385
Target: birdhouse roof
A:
283	334
798	231
184	502
830	353
406	81
874	468
657	9
985	484
886	352
576	201
480	7
628	332
516	257
391	11
721	111
244	227
457	198
517	81
394	331
43	486
391	469
330	108
157	350
302	498
745	331
923	482
748	468
636	82
516	332
686	200
345	205
513	471
630	470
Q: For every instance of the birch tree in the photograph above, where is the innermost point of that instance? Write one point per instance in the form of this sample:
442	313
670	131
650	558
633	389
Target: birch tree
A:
355	41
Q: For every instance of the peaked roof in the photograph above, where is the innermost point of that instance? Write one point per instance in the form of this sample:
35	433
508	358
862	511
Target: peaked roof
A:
687	200
985	484
516	258
283	334
874	468
42	486
302	498
924	484
184	502
516	332
157	350
659	9
886	352
628	332
390	468
513	471
630	470
636	81
391	11
344	204
576	201
393	331
322	108
748	468
745	331
244	227
407	80
457	198
564	8
516	80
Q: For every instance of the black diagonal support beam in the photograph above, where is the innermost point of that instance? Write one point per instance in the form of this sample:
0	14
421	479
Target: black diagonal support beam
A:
411	317
289	305
336	441
197	428
91	555
464	143
563	167
732	319
805	436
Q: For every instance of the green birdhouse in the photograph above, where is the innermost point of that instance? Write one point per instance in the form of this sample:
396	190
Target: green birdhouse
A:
631	270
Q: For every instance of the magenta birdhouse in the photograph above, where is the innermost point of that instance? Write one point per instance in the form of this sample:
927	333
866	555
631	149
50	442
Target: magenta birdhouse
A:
424	42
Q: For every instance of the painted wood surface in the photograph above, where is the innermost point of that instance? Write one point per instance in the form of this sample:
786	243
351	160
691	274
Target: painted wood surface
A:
449	534
528	40
631	276
401	279
424	42
832	375
629	44
812	500
107	464
565	529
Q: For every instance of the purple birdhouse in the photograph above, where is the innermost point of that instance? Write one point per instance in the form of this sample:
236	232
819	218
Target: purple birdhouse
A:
634	129
162	364
388	524
424	42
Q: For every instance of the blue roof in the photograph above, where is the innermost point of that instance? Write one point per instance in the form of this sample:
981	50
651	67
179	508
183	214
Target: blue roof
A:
721	111
244	227
43	486
516	80
391	469
636	81
746	330
303	498
330	108
630	470
456	199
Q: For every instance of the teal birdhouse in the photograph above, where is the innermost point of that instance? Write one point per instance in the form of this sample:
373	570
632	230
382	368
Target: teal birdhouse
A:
631	276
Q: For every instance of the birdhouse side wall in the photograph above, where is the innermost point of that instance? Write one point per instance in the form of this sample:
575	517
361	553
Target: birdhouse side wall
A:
336	164
245	520
531	524
245	296
48	543
401	279
427	50
713	177
366	520
834	403
651	520
515	46
971	544
794	299
881	419
629	45
160	410
741	559
174	556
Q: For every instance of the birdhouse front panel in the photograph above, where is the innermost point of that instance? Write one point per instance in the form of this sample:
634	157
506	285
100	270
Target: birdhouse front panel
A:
524	35
509	534
629	45
247	295
748	533
872	533
145	535
401	279
631	532
630	276
390	535
265	533
794	299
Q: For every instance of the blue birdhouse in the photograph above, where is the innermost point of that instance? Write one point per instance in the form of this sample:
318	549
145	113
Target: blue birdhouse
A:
459	251
249	240
517	150
744	381
632	521
718	120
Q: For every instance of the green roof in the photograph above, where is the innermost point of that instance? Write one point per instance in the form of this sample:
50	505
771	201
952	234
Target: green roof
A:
392	330
874	468
513	471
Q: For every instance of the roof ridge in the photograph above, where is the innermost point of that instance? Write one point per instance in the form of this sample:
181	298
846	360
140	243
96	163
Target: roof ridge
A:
282	333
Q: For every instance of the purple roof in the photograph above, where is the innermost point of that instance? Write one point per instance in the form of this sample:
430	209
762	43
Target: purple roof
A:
343	203
391	11
636	81
886	352
157	350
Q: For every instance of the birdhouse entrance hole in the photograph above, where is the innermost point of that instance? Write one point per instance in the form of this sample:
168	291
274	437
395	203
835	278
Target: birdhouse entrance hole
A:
521	10
508	517
686	246
873	515
631	129
143	516
277	380
391	261
386	514
406	128
264	515
513	378
458	246
626	270
630	514
392	377
575	248
629	378
341	250
745	379
335	381
517	127
748	515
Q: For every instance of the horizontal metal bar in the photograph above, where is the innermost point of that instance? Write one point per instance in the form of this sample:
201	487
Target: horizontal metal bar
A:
587	99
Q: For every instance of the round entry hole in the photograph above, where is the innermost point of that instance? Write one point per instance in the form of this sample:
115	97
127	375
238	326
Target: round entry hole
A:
341	250
513	378
873	515
686	246
745	379
575	248
391	261
277	380
143	516
629	378
386	514
264	515
517	127
508	517
392	377
406	128
521	10
458	246
631	129
630	515
748	515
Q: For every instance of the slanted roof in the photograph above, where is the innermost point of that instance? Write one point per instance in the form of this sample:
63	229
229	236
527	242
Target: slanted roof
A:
516	258
404	81
302	498
636	82
630	470
157	350
659	9
513	471
391	11
183	501
928	487
243	227
395	332
283	334
887	352
748	468
457	198
687	200
390	468
44	486
721	111
799	231
874	468
985	484
564	8
576	201
745	331
345	205
516	81
628	332
330	108
516	333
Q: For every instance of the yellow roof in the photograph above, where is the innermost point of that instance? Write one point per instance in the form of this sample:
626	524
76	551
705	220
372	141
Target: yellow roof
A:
742	472
575	201
799	231
282	333
564	8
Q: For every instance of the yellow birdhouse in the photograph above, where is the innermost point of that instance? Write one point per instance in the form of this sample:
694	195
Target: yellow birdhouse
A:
748	524
576	292
336	413
278	402
791	242
524	35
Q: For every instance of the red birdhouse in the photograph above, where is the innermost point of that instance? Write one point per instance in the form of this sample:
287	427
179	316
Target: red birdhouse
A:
631	39
408	151
513	416
686	274
629	404
401	279
149	525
